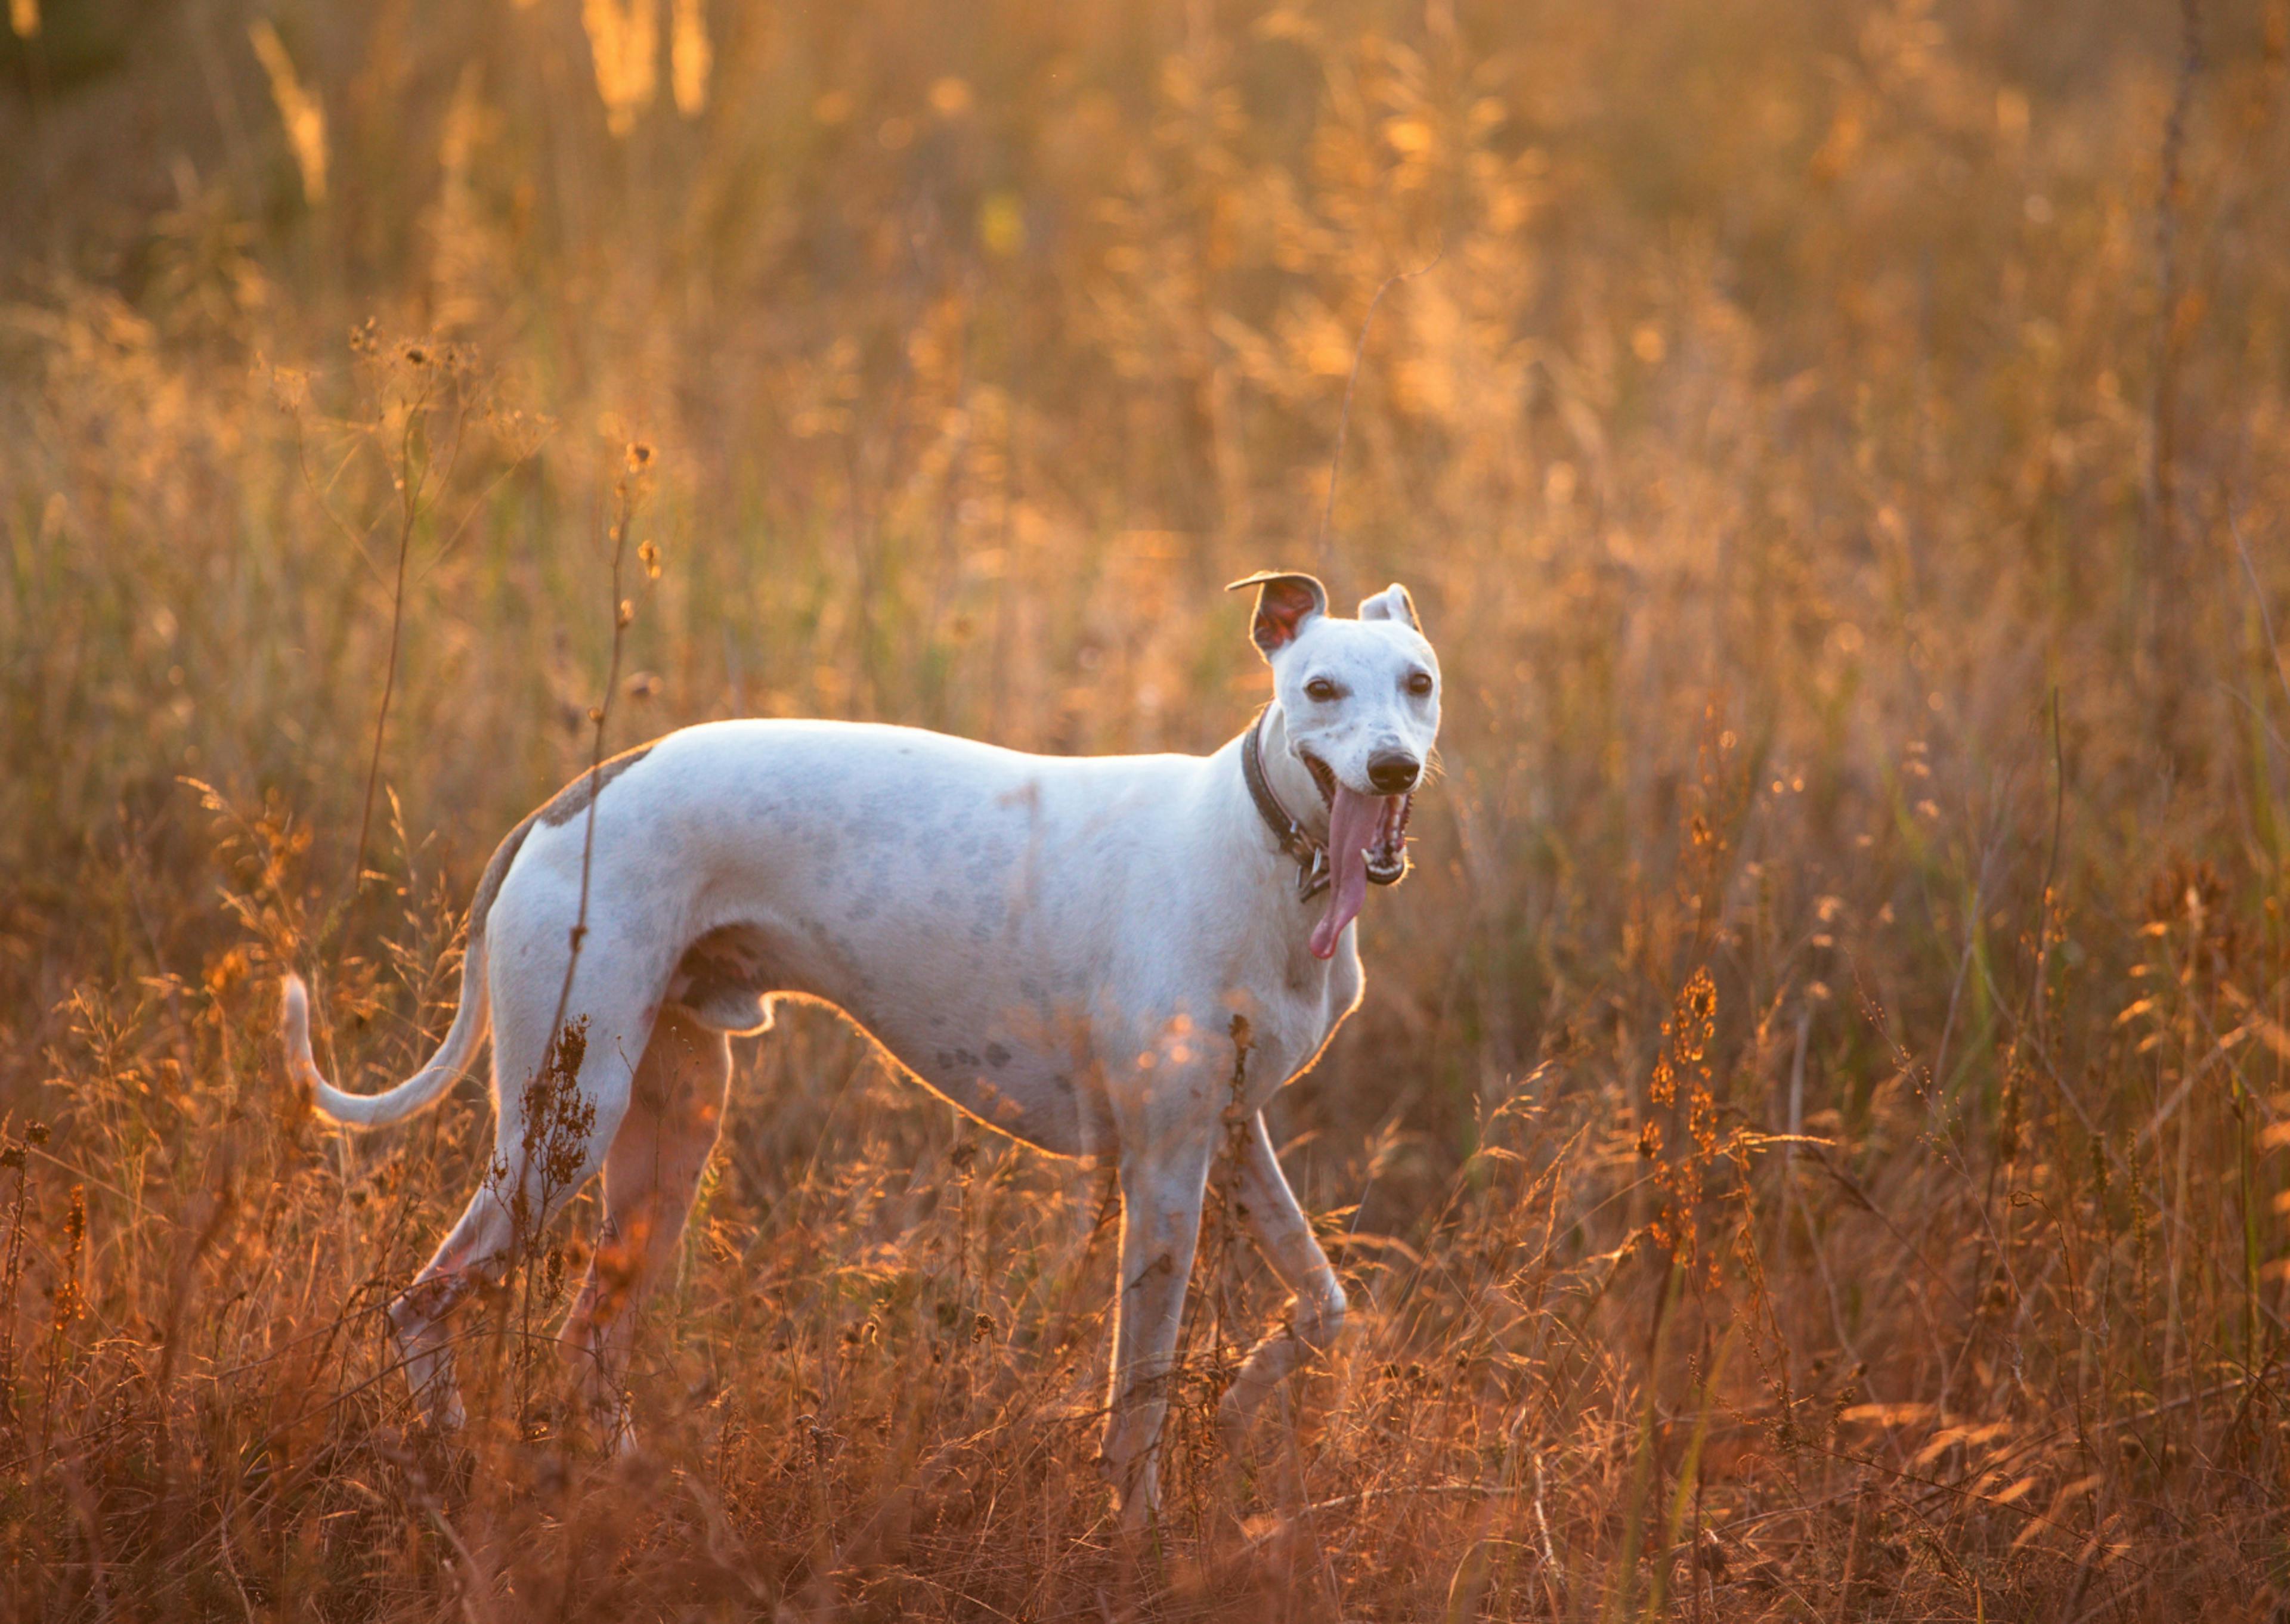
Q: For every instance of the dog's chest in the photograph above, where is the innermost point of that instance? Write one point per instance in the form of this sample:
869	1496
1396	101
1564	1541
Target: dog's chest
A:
1296	1018
1016	1086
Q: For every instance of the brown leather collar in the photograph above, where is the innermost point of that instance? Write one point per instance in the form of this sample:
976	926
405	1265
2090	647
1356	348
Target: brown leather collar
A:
1311	855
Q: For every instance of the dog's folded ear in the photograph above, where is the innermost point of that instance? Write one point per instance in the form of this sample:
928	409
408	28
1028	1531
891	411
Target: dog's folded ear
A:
1284	602
1391	603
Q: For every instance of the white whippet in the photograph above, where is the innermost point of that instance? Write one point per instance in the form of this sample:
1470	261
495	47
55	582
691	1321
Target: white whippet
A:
1099	957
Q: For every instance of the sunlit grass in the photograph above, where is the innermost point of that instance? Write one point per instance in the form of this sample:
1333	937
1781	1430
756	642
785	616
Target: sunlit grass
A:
1814	1146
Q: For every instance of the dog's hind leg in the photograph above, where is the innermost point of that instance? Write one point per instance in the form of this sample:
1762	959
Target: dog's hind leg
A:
550	1134
1265	1204
652	1177
418	1317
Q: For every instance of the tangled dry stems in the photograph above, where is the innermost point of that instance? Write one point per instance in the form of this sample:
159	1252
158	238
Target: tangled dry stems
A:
1814	1144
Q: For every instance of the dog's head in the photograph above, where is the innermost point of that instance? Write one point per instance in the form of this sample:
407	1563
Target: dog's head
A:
1360	704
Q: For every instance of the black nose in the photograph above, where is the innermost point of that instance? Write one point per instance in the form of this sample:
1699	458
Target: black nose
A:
1393	774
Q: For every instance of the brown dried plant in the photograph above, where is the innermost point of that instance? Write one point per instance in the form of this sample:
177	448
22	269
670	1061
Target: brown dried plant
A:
1817	1143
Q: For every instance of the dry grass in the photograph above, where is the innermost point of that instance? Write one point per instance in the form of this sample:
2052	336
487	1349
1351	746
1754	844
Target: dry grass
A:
1821	1104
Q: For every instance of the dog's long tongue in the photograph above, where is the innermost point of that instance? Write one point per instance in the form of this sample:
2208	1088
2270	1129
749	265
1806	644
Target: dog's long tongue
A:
1352	821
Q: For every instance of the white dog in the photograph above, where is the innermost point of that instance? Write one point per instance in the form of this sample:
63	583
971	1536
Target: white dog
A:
1099	957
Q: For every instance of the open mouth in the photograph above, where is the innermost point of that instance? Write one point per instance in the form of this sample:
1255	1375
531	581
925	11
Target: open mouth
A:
1367	840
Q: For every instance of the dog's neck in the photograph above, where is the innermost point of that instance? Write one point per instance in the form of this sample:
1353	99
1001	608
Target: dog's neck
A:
1288	778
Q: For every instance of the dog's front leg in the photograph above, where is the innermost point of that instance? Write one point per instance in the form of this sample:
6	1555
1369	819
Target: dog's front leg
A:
1268	1207
1161	1191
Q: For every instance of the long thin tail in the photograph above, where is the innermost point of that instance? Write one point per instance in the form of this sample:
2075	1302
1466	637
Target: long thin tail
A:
454	1056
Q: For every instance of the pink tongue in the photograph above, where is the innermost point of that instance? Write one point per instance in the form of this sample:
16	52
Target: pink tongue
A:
1351	824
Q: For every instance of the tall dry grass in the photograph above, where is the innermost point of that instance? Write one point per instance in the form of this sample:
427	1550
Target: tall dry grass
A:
1814	1146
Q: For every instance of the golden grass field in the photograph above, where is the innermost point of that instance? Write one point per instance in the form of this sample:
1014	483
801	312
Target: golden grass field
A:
1817	1143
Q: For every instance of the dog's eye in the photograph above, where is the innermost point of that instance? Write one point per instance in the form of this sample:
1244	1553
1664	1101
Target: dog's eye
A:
1321	689
1419	683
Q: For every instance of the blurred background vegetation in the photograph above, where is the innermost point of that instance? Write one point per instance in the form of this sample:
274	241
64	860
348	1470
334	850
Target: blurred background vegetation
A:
1837	449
